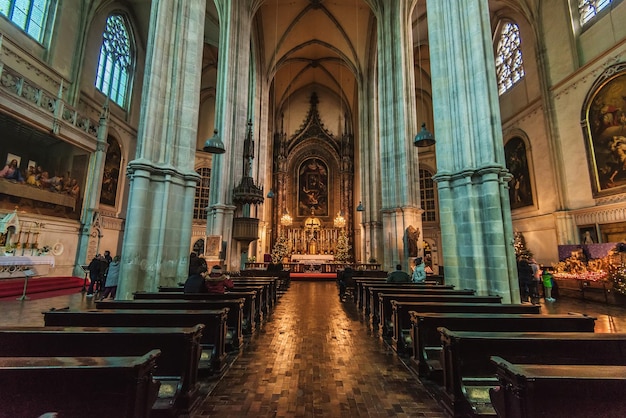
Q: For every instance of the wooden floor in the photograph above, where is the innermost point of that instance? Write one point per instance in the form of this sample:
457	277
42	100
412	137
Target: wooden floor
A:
314	358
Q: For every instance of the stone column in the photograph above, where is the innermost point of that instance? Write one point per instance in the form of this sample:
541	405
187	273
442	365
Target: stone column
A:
472	179
92	192
162	178
400	202
231	115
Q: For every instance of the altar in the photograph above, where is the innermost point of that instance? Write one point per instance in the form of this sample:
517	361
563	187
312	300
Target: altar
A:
15	267
312	258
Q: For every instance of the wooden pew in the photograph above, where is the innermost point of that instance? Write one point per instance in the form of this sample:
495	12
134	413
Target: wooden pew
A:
426	339
365	293
540	390
213	340
95	387
251	311
380	310
468	373
402	317
271	283
234	320
176	367
261	301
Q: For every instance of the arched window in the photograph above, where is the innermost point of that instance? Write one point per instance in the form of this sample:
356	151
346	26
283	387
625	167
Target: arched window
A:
509	63
116	61
588	9
202	194
427	196
29	15
520	189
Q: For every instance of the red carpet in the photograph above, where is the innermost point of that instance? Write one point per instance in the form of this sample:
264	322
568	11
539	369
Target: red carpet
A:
313	276
40	286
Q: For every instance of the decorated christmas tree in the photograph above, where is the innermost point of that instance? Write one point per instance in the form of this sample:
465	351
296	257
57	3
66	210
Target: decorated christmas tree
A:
342	249
521	251
280	250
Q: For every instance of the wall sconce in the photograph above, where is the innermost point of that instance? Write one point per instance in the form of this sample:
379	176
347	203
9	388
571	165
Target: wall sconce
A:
270	194
360	208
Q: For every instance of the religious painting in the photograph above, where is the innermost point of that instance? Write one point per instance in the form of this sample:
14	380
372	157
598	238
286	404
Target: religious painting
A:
520	188
11	157
213	246
313	188
606	134
588	235
108	193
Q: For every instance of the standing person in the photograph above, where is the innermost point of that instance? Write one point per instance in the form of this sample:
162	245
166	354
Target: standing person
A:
525	278
107	256
195	282
194	263
419	272
547	285
95	272
113	275
345	280
534	284
217	282
398	276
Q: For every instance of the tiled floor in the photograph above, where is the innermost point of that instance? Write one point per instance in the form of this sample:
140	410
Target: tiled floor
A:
314	358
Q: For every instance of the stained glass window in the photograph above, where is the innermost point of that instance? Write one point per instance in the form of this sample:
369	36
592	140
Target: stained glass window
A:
588	9
427	196
115	64
509	63
29	15
202	194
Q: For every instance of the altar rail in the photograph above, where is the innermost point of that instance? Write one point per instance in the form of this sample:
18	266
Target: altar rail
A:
318	268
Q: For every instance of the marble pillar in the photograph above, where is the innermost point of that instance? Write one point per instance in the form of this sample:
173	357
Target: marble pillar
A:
400	194
162	177
475	215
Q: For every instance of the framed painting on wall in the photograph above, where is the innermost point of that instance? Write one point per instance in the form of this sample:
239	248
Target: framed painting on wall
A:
213	246
604	127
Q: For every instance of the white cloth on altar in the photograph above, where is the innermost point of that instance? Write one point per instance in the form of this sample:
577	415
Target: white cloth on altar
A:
312	258
27	260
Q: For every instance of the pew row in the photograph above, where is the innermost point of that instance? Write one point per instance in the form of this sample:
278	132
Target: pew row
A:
176	367
426	339
252	315
400	340
468	373
363	293
212	341
234	319
561	391
95	387
383	321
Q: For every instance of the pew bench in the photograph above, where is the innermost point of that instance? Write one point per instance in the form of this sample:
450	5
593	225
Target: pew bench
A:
426	339
176	367
374	291
95	387
382	320
565	391
468	373
364	298
234	319
401	317
251	310
212	341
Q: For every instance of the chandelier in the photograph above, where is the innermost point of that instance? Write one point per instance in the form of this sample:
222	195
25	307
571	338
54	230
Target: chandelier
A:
286	219
340	221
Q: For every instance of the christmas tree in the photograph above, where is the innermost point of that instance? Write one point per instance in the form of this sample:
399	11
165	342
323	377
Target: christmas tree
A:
342	249
280	250
520	247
